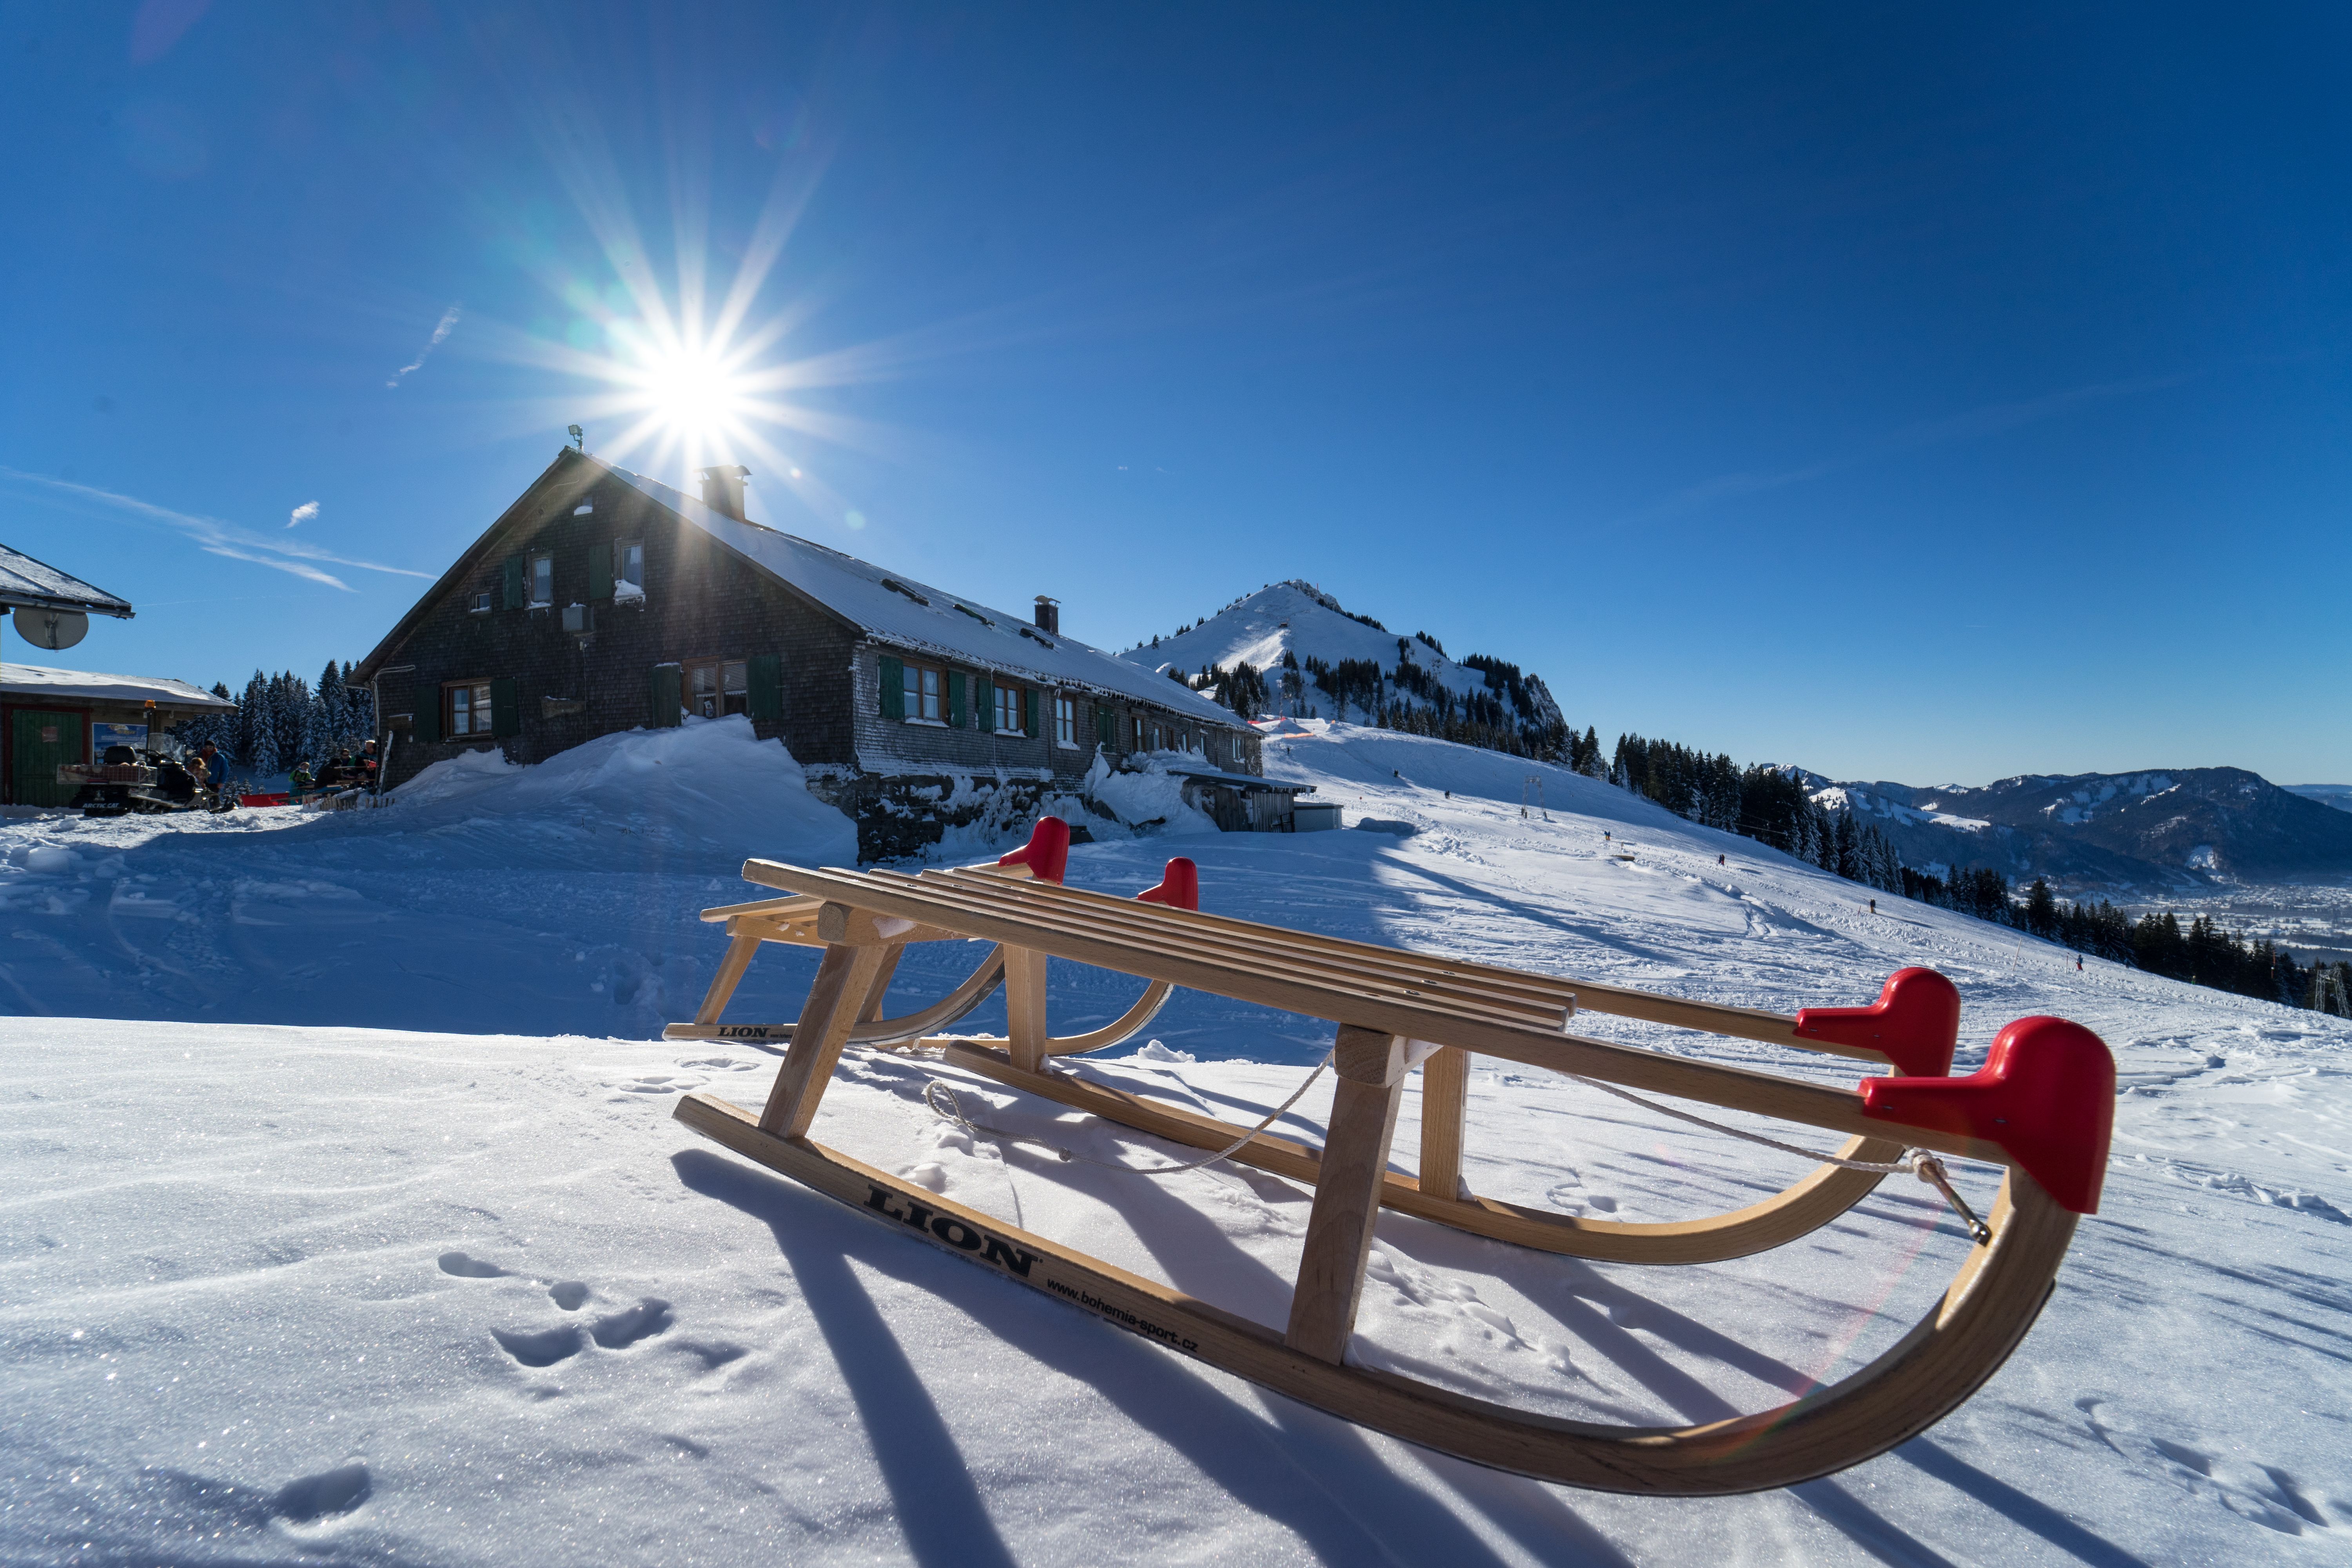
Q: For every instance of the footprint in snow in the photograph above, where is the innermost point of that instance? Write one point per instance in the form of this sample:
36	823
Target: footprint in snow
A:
538	1347
649	1317
330	1494
616	1331
466	1268
569	1294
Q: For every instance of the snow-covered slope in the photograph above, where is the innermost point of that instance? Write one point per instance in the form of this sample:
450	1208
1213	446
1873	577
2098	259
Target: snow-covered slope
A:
328	1294
1299	619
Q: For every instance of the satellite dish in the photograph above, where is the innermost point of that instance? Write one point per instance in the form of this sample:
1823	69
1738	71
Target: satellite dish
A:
52	630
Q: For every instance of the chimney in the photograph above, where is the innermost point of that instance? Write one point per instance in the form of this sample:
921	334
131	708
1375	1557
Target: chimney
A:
722	488
1049	615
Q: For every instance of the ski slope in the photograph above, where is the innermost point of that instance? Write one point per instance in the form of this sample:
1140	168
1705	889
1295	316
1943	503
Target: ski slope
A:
391	1253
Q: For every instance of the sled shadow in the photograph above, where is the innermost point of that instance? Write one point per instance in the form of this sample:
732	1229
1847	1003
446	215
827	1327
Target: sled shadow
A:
1316	1475
931	1491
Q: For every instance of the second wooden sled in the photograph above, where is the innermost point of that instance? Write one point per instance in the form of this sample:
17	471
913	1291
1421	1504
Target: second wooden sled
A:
2041	1106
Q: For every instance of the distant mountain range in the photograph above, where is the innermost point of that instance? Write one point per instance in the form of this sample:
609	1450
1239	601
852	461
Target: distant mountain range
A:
2174	830
2177	828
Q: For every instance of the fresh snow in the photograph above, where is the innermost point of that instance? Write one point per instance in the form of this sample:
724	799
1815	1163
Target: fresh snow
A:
347	1223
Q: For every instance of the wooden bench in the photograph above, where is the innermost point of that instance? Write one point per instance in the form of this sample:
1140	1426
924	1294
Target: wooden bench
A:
2041	1107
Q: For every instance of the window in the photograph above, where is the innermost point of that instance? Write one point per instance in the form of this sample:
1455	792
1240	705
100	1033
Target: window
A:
542	579
466	706
925	687
629	571
481	603
717	686
1008	709
1135	734
1066	721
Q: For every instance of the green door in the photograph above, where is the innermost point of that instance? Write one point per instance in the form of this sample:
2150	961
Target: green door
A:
37	742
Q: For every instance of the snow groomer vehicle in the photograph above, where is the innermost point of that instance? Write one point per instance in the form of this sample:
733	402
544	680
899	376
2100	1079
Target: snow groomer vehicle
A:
126	779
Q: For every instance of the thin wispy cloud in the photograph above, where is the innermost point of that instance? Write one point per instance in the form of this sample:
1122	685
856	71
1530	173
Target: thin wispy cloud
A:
447	323
1967	426
302	514
227	539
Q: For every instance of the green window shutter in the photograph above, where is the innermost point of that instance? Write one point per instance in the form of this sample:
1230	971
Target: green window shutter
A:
506	706
514	583
1102	725
426	724
1029	712
767	686
893	687
665	691
983	702
955	699
599	570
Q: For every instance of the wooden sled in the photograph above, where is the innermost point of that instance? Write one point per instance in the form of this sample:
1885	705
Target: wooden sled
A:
2042	1107
1915	1026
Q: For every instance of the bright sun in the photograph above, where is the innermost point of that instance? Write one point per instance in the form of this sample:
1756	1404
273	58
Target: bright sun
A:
686	376
694	396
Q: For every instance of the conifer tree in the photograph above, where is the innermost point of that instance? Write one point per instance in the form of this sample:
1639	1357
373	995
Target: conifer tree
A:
256	730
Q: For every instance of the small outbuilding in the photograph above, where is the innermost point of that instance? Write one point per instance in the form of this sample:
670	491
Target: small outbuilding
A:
52	716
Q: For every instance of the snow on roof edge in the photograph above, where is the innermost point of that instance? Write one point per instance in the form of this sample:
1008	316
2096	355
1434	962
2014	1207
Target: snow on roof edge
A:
22	575
43	681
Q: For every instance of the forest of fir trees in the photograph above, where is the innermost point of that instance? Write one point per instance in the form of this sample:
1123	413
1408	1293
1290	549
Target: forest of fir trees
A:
282	722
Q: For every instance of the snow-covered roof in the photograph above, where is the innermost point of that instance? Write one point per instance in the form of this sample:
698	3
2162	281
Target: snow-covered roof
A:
923	619
1245	782
39	585
39	681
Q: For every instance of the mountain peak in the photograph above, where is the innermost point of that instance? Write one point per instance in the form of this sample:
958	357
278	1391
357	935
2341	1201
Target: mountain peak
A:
1299	638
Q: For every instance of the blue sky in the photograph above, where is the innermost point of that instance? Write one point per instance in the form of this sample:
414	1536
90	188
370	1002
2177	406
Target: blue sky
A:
1921	395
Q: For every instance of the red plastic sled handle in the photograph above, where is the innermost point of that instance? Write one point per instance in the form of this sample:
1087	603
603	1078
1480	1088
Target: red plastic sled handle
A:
1047	853
1915	1023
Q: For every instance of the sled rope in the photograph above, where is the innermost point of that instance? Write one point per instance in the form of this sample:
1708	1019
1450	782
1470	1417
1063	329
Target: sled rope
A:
1919	1161
941	1097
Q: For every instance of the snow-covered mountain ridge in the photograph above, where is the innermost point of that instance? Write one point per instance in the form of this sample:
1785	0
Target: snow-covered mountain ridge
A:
2173	828
1288	629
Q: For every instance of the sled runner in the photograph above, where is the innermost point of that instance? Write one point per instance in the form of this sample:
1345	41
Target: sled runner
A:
2041	1106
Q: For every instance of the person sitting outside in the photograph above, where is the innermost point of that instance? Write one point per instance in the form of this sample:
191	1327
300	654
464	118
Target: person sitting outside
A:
209	766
